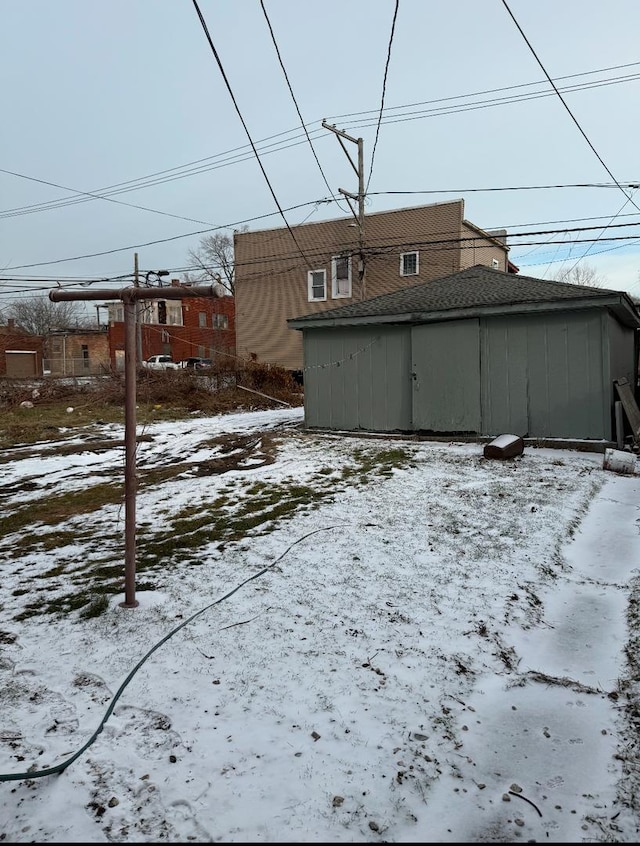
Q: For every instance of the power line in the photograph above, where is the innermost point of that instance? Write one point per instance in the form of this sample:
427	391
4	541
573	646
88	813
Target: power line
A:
293	97
457	191
588	250
190	169
341	118
107	192
441	245
599	253
234	224
158	240
384	88
93	196
564	103
253	146
467	107
507	188
314	253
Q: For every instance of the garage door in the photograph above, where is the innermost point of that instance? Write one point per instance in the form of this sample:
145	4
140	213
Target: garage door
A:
446	376
21	363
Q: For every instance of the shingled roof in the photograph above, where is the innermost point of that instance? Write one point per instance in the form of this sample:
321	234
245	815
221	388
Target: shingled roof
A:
477	291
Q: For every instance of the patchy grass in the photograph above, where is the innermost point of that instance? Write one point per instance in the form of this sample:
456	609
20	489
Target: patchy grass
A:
380	462
83	580
95	607
55	509
224	521
160	396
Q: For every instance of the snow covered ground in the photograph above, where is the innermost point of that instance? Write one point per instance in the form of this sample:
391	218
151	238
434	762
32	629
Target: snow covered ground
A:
338	639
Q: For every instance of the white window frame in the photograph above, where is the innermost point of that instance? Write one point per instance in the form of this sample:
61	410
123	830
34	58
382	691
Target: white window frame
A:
334	277
402	258
174	313
116	313
310	275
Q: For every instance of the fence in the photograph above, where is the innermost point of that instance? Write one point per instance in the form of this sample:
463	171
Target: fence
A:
74	367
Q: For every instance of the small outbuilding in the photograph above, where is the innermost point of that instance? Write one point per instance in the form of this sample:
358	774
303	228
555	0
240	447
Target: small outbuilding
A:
479	352
21	353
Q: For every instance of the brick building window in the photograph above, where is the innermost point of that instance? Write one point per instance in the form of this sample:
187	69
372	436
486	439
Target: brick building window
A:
202	318
220	321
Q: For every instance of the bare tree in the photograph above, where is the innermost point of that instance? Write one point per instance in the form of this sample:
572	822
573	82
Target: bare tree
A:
581	274
40	316
215	260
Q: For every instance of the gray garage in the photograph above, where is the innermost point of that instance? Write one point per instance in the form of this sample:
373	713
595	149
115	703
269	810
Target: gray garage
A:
479	352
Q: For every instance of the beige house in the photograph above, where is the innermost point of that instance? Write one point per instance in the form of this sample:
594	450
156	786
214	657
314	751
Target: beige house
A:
77	352
282	273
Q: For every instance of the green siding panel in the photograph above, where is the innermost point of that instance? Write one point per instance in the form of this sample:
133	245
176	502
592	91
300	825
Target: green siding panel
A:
538	375
358	378
446	377
503	358
566	396
543	376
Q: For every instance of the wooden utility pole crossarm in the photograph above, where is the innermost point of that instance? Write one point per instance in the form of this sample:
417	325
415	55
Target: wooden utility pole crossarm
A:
130	297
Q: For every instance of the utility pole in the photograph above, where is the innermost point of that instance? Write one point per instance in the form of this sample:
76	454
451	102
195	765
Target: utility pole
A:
359	198
131	298
136	283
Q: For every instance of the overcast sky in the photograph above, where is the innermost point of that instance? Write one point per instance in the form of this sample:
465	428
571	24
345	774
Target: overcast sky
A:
103	94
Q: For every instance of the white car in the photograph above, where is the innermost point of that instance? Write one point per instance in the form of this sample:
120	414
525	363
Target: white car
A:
160	362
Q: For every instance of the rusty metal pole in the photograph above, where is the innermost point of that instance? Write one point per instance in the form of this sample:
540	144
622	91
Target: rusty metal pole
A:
130	425
130	297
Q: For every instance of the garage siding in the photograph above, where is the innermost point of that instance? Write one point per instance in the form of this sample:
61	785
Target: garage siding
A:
542	375
446	377
358	379
503	368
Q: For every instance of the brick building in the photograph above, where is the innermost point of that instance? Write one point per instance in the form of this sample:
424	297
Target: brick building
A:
195	326
21	353
77	352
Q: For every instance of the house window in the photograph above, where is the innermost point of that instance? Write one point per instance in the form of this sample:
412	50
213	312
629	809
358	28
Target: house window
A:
116	313
317	281
341	276
162	312
85	356
144	311
220	321
174	313
202	318
409	264
495	263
